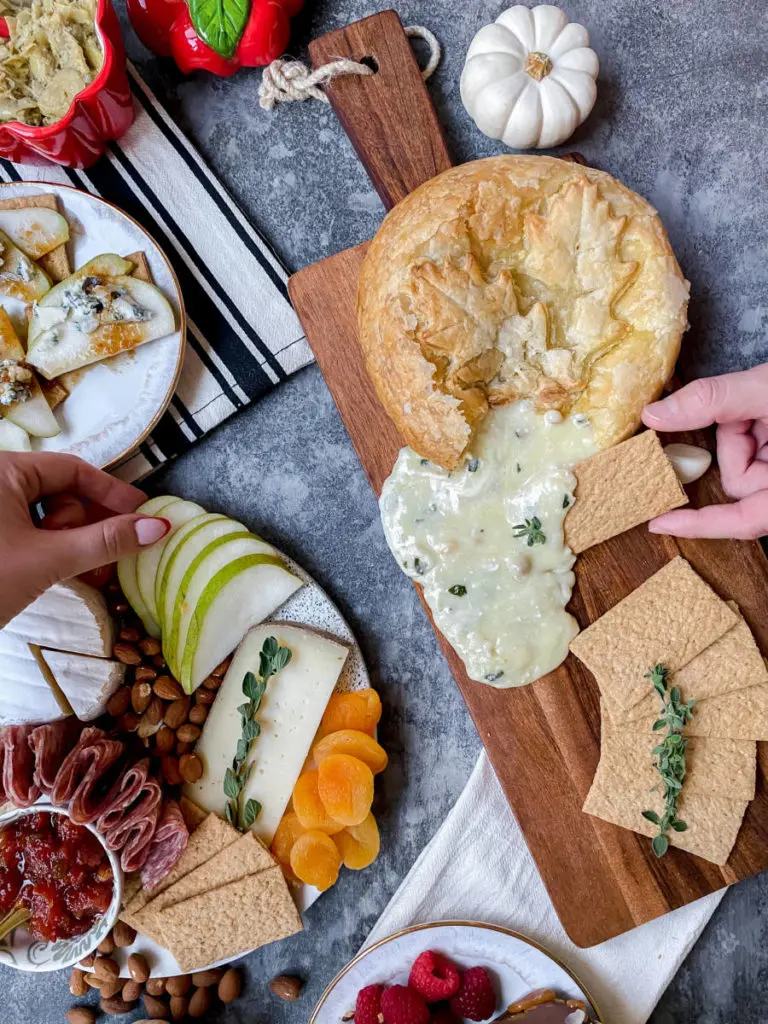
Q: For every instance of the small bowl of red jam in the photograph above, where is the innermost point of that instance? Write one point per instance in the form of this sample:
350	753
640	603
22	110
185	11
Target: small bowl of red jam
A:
58	879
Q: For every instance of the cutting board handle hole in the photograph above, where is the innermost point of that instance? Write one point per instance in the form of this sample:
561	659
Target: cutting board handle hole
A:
370	62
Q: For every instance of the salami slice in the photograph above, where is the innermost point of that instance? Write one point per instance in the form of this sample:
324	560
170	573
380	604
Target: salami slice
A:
133	784
18	765
134	834
167	846
88	780
50	744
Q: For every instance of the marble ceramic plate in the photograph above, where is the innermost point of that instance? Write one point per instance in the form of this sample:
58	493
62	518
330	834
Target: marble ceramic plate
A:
516	964
312	607
112	405
21	951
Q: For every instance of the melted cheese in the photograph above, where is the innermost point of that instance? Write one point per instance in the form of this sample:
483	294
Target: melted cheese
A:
497	585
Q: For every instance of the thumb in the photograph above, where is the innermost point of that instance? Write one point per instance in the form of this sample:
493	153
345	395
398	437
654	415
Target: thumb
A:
71	552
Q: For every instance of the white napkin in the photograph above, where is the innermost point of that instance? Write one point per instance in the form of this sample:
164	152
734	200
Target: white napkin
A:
478	868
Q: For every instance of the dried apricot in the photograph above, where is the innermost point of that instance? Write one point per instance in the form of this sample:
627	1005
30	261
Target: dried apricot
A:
309	808
360	709
286	834
316	860
357	744
345	785
359	844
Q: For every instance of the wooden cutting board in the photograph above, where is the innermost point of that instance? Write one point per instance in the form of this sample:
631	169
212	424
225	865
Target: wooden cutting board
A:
542	739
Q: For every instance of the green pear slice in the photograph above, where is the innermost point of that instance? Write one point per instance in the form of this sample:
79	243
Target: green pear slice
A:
34	229
20	277
13	438
147	561
237	597
126	568
33	416
180	552
60	342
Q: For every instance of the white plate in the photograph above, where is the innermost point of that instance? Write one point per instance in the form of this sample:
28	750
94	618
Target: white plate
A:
517	964
112	405
312	607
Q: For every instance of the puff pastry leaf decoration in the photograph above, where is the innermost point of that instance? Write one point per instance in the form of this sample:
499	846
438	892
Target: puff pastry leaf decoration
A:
529	78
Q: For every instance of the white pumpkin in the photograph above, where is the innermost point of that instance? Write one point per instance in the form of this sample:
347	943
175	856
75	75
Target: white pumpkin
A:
529	79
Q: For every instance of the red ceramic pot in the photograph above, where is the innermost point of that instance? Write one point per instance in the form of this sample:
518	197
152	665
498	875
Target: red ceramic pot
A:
99	113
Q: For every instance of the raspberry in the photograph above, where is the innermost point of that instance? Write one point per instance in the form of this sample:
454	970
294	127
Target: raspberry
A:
403	1005
368	1006
476	999
434	976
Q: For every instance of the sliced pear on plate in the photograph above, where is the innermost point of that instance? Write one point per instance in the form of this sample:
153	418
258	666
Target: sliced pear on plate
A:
275	585
240	595
35	229
126	568
20	277
180	551
96	313
34	416
178	513
13	438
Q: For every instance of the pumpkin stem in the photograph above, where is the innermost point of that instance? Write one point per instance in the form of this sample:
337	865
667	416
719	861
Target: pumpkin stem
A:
538	65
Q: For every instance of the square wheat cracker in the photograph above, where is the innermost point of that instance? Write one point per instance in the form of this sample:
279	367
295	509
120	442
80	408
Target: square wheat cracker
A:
246	856
742	715
669	619
56	262
619	488
723	767
730	664
212	836
225	922
620	794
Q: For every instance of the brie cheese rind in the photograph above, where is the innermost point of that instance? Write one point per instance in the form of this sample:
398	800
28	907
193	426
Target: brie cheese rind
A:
70	616
519	277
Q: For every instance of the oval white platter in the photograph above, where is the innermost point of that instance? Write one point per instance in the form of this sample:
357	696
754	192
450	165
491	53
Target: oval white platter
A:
112	405
517	965
311	606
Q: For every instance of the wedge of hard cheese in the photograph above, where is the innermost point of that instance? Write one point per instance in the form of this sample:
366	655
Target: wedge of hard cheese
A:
70	616
87	683
289	717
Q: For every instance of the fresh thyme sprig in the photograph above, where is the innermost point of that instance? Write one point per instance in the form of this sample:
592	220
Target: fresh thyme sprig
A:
531	530
670	756
272	659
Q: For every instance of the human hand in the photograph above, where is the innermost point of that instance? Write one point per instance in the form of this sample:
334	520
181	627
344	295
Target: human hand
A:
738	403
75	538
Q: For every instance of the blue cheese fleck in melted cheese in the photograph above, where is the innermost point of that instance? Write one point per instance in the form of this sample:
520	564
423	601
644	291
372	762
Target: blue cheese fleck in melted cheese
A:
486	541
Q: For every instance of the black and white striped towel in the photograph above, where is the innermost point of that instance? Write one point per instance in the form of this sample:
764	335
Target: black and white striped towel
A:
243	336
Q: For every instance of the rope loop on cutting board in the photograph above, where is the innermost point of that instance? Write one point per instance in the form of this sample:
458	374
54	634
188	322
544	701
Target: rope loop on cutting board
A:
287	81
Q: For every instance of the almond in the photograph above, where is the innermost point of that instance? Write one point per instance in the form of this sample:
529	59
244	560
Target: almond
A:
167	688
106	969
116	1006
155	711
176	714
230	986
198	714
156	1007
107	989
138	968
170	769
202	979
179	1007
220	670
127	653
286	987
156	986
123	934
165	740
88	961
159	662
184	748
78	986
150	646
200	1003
141	695
179	986
145	674
204	697
188	733
131	991
190	767
81	1015
130	634
119	702
129	722
107	945
147	728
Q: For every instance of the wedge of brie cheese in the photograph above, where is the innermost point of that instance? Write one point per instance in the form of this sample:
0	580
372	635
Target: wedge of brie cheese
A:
290	714
87	683
26	697
70	616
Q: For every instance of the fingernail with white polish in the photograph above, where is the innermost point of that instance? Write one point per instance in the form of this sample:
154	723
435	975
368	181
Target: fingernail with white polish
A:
150	529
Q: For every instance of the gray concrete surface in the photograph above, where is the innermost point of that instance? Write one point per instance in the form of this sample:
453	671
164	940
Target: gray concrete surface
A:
681	116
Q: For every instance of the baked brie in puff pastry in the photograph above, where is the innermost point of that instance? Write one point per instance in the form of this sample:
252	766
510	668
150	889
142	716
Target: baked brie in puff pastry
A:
519	277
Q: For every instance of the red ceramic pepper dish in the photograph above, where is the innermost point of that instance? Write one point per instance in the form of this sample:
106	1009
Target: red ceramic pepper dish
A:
102	111
215	37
